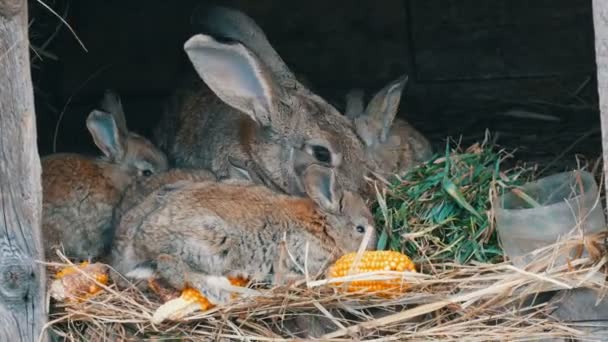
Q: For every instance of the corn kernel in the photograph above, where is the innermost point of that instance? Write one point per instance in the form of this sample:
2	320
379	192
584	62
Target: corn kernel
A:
193	295
374	261
72	285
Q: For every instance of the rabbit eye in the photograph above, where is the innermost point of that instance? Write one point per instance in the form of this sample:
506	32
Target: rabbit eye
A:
360	229
321	154
146	173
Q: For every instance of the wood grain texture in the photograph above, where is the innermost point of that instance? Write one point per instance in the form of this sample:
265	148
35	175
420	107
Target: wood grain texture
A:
600	21
10	8
22	279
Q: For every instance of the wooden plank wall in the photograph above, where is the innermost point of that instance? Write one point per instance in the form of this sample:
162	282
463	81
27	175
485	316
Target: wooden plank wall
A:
23	312
500	39
600	20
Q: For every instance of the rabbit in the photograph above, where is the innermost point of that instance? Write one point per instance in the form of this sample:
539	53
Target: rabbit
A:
80	192
198	233
251	108
139	189
377	149
399	146
396	147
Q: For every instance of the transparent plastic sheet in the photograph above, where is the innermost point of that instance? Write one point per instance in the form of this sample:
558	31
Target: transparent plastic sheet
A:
547	210
539	214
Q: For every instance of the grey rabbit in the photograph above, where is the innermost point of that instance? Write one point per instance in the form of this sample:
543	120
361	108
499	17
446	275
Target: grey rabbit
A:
80	192
251	108
143	187
397	147
198	233
383	152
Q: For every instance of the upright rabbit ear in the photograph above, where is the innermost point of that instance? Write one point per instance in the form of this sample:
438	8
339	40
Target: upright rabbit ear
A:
354	103
235	75
320	185
228	23
375	125
111	103
106	135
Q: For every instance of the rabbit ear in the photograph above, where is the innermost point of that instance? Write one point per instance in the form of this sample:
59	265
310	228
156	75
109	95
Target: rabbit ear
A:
106	135
240	170
220	21
112	104
320	185
235	75
354	103
375	125
237	170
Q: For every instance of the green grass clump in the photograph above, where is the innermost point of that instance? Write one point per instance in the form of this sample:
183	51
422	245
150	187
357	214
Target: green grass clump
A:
441	210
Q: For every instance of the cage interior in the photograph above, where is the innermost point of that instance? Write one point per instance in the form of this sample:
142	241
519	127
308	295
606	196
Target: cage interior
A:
524	71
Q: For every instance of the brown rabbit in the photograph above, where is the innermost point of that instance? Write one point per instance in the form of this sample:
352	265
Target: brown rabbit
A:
142	187
80	192
397	146
192	233
386	153
258	114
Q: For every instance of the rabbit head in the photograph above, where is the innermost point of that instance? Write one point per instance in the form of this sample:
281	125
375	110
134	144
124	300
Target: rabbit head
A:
345	211
289	124
386	144
393	143
133	154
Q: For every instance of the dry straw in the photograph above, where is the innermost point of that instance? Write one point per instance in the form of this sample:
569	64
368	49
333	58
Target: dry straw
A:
448	302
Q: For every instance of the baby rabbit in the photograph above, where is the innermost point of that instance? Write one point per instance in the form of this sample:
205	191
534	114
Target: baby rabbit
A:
142	187
196	234
80	192
397	146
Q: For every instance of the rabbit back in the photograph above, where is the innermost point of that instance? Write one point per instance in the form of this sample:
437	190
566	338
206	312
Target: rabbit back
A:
220	229
207	132
141	188
79	195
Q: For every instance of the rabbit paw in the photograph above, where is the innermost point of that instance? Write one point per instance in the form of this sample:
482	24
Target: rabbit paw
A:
172	270
216	289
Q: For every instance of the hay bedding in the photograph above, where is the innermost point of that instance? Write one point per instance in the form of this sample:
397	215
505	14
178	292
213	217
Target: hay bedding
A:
445	301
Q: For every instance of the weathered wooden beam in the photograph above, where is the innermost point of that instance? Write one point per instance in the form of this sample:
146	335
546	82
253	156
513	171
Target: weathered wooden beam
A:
23	311
600	22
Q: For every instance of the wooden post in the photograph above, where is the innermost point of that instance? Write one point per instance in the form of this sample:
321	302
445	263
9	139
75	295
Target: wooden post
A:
23	311
600	21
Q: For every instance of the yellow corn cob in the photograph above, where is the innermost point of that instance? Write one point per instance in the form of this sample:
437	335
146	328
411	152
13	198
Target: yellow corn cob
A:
188	302
372	261
71	285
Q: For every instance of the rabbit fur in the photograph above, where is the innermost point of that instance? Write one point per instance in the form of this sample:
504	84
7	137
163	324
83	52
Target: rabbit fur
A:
389	145
257	113
143	187
399	146
194	233
80	192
